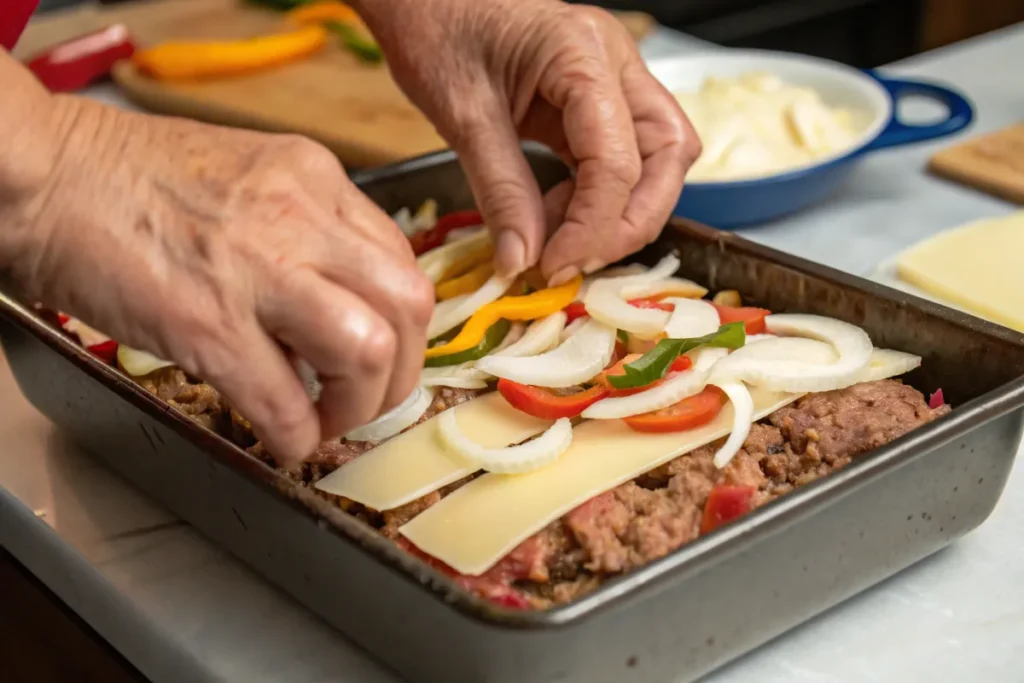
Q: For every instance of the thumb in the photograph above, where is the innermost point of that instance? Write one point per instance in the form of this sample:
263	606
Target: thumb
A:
505	189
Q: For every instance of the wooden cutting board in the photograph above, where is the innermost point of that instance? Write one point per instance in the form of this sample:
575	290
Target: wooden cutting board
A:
353	108
992	163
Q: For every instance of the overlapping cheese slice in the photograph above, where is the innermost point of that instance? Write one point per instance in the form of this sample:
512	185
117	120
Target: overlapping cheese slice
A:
416	462
975	267
477	525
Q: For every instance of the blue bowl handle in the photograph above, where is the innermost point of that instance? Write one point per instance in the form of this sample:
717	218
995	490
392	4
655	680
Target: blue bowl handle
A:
961	113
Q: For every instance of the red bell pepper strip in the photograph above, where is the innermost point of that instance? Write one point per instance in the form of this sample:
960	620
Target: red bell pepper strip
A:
495	585
425	240
752	318
687	414
76	63
936	400
105	351
726	503
652	302
574	310
14	16
546	404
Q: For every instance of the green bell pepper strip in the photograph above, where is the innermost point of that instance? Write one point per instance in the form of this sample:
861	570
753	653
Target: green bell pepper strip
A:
492	338
653	365
365	48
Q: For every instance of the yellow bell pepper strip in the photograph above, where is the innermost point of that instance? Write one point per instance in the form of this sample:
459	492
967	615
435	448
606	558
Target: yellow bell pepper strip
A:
529	307
465	283
492	338
199	60
468	262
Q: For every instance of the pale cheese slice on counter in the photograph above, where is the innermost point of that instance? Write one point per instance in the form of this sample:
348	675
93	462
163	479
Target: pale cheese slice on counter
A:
416	462
474	527
976	267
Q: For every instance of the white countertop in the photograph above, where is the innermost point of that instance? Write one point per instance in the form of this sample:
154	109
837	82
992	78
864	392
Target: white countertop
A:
182	610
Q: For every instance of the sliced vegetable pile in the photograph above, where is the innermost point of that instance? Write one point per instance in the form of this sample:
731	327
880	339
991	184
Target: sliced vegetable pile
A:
639	345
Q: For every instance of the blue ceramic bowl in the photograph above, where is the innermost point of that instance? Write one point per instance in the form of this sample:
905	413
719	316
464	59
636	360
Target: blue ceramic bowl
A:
872	97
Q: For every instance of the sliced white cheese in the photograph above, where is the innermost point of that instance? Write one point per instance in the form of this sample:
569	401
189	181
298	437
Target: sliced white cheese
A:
477	525
416	462
975	267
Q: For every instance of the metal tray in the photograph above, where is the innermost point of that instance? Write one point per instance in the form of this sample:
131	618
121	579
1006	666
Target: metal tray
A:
675	619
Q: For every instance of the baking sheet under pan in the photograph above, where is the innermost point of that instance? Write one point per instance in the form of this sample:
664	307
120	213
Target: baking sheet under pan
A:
674	619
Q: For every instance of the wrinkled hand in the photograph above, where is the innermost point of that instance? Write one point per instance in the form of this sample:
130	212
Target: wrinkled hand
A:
491	73
231	253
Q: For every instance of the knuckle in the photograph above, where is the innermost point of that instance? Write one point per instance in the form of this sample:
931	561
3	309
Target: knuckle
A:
418	299
593	22
375	344
623	170
310	157
692	149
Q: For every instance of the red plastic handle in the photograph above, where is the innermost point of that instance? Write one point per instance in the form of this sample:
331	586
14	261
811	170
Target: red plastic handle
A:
14	15
76	63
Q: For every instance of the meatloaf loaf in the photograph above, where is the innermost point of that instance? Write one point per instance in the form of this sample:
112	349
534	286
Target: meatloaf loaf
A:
636	522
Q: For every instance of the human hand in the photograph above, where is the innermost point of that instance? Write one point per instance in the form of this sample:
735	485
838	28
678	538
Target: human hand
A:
489	74
232	253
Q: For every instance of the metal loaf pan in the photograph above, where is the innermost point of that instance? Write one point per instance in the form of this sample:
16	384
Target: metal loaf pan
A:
675	619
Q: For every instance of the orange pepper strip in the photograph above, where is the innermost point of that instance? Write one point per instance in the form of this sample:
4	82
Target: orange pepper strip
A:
321	12
466	283
198	60
528	307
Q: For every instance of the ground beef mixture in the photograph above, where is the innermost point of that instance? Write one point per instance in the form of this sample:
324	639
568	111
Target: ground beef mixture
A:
636	522
195	398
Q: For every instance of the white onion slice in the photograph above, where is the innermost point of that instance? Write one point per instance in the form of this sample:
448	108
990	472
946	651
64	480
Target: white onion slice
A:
572	328
705	357
87	335
798	376
403	219
751	338
395	420
605	304
436	261
886	363
671	391
525	457
691	318
425	217
675	388
671	286
139	363
617	271
585	354
446	318
605	301
791	349
742	418
542	335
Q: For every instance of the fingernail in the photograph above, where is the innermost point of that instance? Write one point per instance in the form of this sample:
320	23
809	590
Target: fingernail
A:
563	276
592	266
511	253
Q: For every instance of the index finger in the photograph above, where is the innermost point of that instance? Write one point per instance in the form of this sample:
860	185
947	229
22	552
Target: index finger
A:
600	136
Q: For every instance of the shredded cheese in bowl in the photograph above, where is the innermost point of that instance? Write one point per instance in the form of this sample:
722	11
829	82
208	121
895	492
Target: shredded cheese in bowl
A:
757	125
